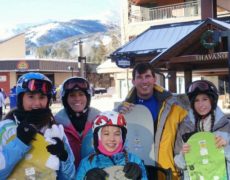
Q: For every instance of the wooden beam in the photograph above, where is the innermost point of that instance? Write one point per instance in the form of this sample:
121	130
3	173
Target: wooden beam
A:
213	57
187	78
172	81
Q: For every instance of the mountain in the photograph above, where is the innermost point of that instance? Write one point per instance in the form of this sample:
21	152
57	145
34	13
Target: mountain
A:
52	32
61	39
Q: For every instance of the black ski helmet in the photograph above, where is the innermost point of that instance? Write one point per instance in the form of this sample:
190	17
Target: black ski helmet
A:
202	86
75	83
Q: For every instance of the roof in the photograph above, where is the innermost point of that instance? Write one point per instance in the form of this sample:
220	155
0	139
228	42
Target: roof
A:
5	39
223	25
156	39
37	65
108	67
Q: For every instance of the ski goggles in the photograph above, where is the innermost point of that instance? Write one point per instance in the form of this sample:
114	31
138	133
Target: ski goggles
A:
76	83
34	85
201	85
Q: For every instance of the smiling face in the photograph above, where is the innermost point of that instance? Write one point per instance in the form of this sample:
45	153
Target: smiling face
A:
144	84
111	137
34	101
77	100
202	104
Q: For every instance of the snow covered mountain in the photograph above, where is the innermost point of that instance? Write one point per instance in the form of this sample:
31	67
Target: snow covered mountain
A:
53	38
53	32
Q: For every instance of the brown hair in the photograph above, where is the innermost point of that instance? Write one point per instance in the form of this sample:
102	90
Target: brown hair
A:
142	68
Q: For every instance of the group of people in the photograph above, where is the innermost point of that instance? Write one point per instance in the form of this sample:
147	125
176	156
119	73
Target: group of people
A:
35	143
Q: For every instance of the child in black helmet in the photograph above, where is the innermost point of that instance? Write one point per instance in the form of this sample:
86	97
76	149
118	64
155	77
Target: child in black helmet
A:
24	152
77	115
109	132
205	115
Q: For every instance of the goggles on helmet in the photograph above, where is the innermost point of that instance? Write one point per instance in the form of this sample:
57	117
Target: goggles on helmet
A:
38	85
73	83
201	85
109	118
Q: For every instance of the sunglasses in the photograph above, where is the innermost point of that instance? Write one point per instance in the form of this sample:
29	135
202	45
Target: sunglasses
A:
202	86
38	85
76	83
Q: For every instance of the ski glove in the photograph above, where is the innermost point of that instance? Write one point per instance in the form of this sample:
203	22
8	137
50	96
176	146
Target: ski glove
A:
186	136
58	149
132	171
26	132
96	174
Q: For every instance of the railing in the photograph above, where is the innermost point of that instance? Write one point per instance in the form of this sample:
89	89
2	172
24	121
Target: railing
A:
187	9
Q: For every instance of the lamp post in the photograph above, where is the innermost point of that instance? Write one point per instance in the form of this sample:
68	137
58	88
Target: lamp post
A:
71	69
82	60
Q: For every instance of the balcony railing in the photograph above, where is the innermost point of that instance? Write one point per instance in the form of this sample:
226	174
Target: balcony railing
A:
187	9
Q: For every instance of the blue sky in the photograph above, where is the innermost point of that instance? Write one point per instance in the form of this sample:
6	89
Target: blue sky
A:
35	11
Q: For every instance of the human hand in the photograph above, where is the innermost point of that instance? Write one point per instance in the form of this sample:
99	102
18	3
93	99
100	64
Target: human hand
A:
54	131
185	148
58	149
26	132
126	107
96	174
132	171
220	142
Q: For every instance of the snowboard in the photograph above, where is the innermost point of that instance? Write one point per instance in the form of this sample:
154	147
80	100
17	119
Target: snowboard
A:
115	173
33	165
140	136
204	161
87	147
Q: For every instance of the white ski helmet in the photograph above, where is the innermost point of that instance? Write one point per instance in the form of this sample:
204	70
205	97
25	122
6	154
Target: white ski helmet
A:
109	118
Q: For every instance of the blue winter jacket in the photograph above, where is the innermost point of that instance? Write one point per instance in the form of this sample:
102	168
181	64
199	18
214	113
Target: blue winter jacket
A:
13	150
102	161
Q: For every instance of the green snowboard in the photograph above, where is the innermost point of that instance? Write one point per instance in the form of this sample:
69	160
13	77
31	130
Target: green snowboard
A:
205	161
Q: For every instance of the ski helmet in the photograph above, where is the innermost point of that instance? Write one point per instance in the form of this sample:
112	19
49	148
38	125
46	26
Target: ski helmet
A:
109	118
75	83
202	86
33	82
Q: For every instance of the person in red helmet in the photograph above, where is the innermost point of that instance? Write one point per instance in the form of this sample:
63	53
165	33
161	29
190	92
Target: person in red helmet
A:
109	133
205	115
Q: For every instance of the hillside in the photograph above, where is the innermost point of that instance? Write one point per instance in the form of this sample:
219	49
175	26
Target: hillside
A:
60	39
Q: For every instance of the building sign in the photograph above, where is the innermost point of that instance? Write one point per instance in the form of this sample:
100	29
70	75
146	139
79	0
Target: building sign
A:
22	65
212	56
124	62
2	78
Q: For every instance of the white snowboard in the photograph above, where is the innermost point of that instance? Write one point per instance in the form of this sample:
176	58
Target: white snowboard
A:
140	136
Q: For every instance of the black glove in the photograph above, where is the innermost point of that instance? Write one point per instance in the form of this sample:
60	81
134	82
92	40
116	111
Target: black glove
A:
186	136
58	149
132	171
26	132
96	174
